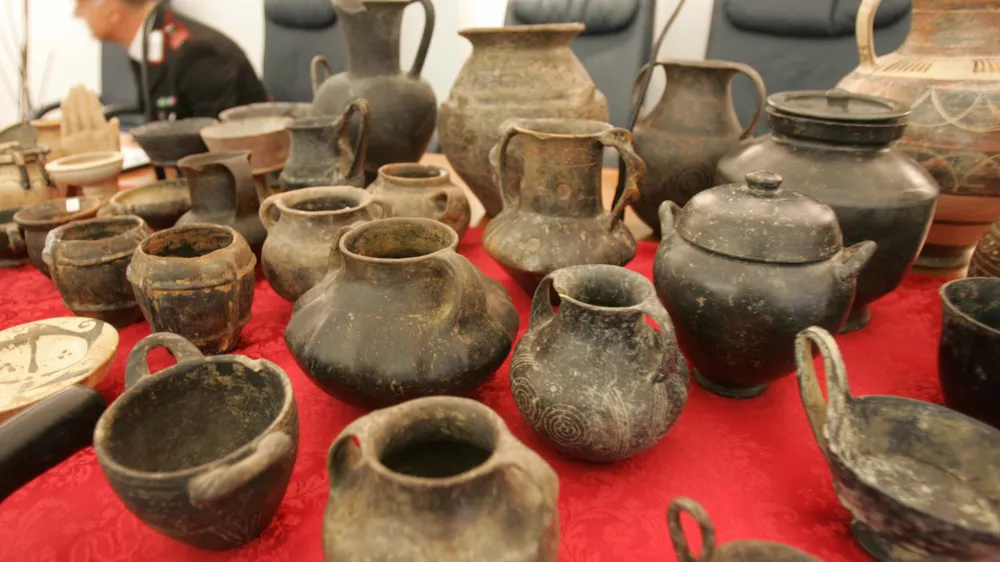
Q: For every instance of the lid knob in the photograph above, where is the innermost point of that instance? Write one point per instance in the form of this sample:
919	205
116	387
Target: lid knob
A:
763	180
838	98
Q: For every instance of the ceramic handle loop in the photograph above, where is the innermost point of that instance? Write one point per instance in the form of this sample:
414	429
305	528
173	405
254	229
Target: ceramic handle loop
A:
541	302
14	240
498	158
314	69
224	480
758	83
425	39
819	410
247	202
678	537
137	366
864	31
384	209
671	363
634	168
360	150
269	212
336	260
458	267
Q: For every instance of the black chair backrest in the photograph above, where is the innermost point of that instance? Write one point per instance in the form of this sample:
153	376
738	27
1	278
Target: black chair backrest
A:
294	32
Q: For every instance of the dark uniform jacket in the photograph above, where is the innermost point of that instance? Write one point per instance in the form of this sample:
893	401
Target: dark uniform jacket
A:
202	71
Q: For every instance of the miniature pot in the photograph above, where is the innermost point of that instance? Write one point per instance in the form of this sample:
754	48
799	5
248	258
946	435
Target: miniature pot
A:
23	179
195	281
302	224
95	173
736	551
986	258
37	220
295	110
166	142
786	269
160	203
321	152
840	148
555	217
594	379
969	352
13	253
399	316
87	261
919	479
450	480
416	190
201	451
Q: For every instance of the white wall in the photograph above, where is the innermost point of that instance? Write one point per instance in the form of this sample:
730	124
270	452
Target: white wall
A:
76	55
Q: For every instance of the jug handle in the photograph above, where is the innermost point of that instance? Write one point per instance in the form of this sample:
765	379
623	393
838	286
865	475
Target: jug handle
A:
670	363
498	158
269	212
864	31
360	150
517	457
457	266
314	67
245	190
677	536
819	410
223	480
14	240
425	40
758	82
541	302
634	168
336	260
668	213
137	367
383	206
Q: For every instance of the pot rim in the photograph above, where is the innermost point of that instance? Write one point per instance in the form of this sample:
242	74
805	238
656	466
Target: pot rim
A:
283	201
232	113
390	173
530	126
233	131
88	205
58	232
201	160
524	29
106	459
621	273
234	237
85	161
953	308
180	185
356	231
107	249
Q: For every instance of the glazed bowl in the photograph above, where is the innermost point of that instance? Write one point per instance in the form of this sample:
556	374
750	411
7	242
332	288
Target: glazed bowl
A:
265	137
166	142
160	203
95	173
37	220
294	110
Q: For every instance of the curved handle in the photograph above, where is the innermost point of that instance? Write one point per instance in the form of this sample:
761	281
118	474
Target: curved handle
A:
425	40
671	363
634	168
247	202
360	150
668	212
314	65
677	536
818	410
137	367
541	302
384	209
222	481
864	32
14	240
498	158
336	260
459	269
758	82
269	212
46	433
344	456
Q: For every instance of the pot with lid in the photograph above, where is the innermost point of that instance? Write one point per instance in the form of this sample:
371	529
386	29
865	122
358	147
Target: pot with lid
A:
741	269
840	148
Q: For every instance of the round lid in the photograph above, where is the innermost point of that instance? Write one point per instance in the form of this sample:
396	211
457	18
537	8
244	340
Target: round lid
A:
759	221
838	105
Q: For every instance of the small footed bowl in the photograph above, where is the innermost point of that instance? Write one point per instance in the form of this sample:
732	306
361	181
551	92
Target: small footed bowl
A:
166	142
160	203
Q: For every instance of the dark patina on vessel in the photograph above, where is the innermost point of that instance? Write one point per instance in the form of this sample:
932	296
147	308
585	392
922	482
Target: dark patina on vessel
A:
35	222
840	148
785	269
321	151
920	480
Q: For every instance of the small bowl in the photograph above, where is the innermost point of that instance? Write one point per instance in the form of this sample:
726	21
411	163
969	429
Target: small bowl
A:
295	110
265	137
160	203
166	142
96	173
37	220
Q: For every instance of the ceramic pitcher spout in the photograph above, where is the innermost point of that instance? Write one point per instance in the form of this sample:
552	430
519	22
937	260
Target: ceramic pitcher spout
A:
852	260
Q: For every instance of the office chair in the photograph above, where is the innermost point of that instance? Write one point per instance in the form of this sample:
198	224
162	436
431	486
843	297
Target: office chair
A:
294	32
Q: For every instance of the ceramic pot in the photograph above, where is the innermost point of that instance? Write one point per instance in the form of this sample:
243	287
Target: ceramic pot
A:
195	281
222	192
201	451
986	259
403	105
839	148
94	173
13	253
969	352
594	379
736	551
555	217
36	221
416	190
450	480
517	71
946	70
321	152
160	203
50	135
166	142
302	225
87	261
686	133
399	316
23	179
786	269
295	110
918	479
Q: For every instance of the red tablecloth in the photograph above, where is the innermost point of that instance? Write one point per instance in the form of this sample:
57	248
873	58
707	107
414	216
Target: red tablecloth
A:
753	464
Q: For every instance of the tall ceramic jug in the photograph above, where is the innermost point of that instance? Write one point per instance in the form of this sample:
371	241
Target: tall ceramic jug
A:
222	192
692	126
948	70
517	71
403	106
321	152
553	217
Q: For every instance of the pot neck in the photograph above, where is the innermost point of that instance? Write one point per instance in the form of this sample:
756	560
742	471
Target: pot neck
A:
689	85
591	321
372	38
952	28
562	176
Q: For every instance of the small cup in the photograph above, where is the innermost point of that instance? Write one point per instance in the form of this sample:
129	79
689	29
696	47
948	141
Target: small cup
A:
37	220
969	351
201	451
416	190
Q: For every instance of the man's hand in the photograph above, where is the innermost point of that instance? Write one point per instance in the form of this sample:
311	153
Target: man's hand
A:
83	128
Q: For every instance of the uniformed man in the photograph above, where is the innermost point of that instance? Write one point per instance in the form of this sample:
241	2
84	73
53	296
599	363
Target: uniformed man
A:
194	70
